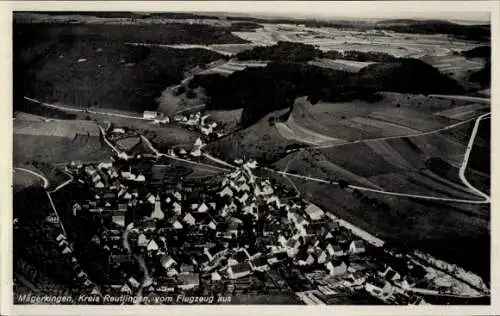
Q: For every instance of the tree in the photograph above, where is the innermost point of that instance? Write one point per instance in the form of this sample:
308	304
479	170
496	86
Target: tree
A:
190	94
343	184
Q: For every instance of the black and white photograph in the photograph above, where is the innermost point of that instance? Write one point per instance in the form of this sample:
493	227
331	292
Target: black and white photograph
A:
251	156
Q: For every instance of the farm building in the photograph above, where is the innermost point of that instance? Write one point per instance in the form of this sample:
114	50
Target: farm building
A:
150	115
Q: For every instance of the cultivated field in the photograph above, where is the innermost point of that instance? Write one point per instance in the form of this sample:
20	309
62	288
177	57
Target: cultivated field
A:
57	128
394	115
326	38
232	66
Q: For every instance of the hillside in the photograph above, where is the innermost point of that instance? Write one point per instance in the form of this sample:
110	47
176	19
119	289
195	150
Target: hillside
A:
276	86
408	76
99	73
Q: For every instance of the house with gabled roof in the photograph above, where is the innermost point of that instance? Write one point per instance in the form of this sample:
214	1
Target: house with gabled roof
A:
126	289
167	261
152	245
357	246
239	270
336	268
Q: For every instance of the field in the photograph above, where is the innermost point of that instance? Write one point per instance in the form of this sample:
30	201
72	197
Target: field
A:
261	141
394	115
57	128
329	38
128	143
424	165
457	67
22	179
231	66
340	64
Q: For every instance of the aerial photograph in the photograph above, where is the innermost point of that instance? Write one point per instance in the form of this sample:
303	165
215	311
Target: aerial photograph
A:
228	158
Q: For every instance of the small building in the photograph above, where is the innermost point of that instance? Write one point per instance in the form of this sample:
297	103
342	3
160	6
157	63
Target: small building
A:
215	276
150	115
377	287
188	280
259	264
336	268
334	250
357	246
167	262
239	270
314	212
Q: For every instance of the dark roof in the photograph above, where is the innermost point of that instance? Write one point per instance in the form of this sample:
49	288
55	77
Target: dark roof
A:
259	262
390	274
215	249
240	256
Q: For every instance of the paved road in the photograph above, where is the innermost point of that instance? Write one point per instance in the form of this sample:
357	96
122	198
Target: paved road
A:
470	145
461	98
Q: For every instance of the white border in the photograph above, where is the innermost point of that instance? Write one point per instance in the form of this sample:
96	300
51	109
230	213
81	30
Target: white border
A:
368	8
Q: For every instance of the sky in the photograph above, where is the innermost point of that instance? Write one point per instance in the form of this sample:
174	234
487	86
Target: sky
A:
450	10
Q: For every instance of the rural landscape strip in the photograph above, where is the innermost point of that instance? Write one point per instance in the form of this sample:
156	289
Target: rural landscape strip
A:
470	145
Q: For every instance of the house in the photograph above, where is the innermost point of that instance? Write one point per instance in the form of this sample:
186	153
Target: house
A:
252	253
189	219
215	276
378	287
177	225
188	281
203	208
126	289
187	268
60	237
152	245
391	275
167	261
239	270
277	257
118	220
150	115
142	241
99	185
357	278
177	208
178	196
66	251
196	152
336	268
322	256
215	252
132	281
304	259
357	246
259	264
226	192
334	250
314	212
416	300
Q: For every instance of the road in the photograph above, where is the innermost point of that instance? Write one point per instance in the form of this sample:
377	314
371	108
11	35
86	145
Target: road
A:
461	98
463	168
71	109
142	264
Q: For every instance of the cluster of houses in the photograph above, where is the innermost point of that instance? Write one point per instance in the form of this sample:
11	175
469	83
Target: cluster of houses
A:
241	228
201	122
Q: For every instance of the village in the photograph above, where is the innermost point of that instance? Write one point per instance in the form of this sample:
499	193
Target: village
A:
239	235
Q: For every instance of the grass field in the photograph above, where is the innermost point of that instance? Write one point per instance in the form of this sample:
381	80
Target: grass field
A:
128	143
58	149
394	115
57	128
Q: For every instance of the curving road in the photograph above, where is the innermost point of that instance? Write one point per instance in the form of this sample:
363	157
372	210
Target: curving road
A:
470	145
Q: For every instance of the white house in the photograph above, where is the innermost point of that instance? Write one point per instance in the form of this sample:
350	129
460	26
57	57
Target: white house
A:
167	262
378	288
152	245
314	212
239	270
357	246
189	219
337	268
150	115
